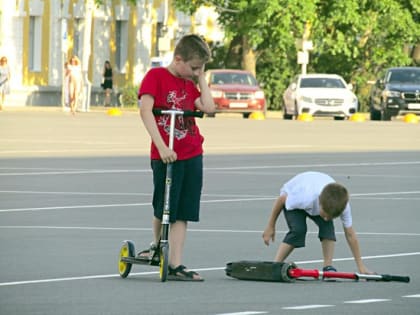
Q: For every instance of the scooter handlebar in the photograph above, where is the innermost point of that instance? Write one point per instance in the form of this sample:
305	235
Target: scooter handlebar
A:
186	113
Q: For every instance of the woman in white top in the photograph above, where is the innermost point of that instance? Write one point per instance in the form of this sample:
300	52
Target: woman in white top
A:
75	84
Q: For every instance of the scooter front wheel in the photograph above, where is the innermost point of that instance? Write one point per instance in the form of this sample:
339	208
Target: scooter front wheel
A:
127	250
164	264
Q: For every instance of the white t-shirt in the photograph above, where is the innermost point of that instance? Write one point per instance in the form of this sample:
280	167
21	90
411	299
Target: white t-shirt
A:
303	192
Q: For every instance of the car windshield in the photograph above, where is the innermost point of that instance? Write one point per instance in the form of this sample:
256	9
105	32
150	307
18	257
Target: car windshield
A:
233	78
321	83
404	76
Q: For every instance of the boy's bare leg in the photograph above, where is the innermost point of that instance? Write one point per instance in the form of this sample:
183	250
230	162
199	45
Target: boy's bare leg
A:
328	251
177	235
283	252
156	229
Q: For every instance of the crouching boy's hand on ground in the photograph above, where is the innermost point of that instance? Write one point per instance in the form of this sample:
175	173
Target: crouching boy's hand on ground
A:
366	271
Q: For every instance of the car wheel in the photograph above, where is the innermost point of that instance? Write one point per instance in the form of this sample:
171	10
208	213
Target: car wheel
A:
211	115
339	117
245	115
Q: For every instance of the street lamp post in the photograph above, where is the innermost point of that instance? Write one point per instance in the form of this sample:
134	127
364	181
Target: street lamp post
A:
304	45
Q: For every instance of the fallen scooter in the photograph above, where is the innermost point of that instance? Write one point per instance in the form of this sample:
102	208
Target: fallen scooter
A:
289	272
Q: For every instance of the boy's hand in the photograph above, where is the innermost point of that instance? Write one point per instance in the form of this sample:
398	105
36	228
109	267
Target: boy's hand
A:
269	233
167	155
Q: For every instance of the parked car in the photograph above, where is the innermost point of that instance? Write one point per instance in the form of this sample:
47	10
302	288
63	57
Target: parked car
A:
319	95
235	91
396	92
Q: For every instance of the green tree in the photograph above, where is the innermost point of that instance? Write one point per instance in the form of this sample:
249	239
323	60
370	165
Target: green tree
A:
359	38
354	38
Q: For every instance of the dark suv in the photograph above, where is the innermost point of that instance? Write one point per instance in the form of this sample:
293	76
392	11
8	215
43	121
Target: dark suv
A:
396	93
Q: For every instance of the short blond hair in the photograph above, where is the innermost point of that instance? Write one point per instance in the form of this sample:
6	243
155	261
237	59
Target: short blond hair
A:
193	47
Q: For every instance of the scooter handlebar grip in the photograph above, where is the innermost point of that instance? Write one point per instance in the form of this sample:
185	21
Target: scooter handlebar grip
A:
395	278
197	114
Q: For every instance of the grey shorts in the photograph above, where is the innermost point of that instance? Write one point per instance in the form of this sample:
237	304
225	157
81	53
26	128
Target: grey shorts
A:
185	193
296	221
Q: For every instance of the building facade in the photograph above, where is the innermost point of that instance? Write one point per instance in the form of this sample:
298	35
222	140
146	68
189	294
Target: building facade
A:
39	36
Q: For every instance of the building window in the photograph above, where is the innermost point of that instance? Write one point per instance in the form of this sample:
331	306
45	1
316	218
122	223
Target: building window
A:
121	41
35	43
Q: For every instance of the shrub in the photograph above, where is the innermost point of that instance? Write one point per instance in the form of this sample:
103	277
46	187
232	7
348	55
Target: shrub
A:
128	96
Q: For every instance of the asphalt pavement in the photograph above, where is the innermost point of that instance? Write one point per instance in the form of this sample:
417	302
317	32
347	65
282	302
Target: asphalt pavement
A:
73	188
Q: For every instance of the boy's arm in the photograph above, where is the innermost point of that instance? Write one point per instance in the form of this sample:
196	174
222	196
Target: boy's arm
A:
146	114
270	230
353	243
205	102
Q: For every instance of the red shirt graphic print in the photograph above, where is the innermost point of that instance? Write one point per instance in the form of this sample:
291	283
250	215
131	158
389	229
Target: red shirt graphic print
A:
171	92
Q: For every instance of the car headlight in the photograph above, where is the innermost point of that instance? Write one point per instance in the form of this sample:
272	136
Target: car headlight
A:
259	95
306	99
216	94
386	94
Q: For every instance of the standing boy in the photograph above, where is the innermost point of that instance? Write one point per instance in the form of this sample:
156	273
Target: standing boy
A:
316	196
174	87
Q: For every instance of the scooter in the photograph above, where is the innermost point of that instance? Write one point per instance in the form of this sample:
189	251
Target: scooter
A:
159	257
289	272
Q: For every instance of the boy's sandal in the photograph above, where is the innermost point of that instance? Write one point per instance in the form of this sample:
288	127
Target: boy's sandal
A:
180	274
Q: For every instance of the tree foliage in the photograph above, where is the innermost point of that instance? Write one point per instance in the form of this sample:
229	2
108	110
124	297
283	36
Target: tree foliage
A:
353	38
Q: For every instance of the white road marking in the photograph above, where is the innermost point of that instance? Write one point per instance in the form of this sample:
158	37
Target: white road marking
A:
230	168
366	301
77	207
81	193
13	283
156	272
306	307
412	296
243	313
74	172
203	201
104	228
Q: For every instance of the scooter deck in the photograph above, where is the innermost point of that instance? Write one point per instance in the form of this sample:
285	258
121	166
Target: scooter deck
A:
259	271
140	261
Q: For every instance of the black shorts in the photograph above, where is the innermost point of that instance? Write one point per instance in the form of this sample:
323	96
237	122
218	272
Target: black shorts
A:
185	194
296	221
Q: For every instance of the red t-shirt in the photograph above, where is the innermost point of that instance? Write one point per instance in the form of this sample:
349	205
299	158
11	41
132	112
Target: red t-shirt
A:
171	92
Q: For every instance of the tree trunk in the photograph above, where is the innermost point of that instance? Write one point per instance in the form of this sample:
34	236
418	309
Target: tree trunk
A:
233	56
416	54
249	61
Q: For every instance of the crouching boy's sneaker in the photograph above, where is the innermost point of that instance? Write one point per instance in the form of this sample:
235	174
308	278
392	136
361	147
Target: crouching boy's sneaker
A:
329	269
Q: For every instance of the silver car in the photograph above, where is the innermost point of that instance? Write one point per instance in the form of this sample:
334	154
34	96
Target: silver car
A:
319	95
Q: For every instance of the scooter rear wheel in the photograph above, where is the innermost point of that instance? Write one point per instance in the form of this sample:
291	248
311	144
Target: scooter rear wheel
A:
127	250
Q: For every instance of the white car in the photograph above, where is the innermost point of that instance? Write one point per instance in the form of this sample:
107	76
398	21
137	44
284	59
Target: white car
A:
319	95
